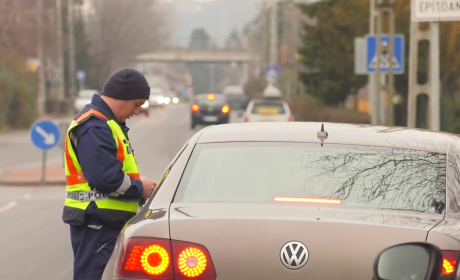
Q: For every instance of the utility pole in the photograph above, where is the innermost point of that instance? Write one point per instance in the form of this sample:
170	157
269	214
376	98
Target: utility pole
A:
372	78
380	79
266	25
274	33
41	66
435	83
390	86
60	93
384	114
71	24
387	7
432	86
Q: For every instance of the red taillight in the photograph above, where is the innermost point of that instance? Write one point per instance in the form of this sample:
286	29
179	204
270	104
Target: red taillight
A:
245	118
225	109
450	259
164	259
195	108
291	118
192	261
146	257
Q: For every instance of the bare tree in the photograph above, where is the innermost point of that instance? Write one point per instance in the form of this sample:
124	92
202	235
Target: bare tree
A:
19	26
120	29
396	179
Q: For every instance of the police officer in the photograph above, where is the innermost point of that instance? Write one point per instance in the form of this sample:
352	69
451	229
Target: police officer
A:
103	183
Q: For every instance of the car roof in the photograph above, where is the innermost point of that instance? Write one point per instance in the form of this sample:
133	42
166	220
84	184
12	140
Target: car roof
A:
269	100
205	95
338	133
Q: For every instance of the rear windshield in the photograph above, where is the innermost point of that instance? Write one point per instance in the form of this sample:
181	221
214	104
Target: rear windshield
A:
268	107
357	176
207	102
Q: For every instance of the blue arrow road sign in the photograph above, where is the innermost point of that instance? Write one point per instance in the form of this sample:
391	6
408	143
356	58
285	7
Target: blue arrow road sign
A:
272	72
45	134
397	61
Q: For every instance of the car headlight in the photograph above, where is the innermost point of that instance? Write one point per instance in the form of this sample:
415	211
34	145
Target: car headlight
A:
175	100
166	100
145	105
160	100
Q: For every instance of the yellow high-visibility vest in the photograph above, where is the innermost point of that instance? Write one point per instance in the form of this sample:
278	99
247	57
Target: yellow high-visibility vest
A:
114	212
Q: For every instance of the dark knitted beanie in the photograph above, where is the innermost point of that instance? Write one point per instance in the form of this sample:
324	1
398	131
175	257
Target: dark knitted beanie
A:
127	84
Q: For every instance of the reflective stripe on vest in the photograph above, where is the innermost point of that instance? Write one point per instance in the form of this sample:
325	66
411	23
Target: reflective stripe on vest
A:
76	182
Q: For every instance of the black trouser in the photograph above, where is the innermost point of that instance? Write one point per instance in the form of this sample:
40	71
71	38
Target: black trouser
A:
92	250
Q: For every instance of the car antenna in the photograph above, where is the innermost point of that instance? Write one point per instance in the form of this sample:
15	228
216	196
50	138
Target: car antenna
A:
322	135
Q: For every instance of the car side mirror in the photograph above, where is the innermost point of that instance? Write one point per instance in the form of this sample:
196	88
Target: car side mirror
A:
411	261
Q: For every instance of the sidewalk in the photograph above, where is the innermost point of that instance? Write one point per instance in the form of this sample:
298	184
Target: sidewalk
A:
31	176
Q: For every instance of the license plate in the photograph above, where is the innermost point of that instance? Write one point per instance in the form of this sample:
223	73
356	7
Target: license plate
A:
210	118
267	111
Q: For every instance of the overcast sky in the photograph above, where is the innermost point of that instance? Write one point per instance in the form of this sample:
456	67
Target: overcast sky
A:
218	17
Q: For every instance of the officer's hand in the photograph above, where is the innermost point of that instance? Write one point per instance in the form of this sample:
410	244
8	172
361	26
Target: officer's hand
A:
149	186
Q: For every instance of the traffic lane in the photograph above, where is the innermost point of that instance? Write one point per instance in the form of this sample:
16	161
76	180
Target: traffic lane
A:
34	241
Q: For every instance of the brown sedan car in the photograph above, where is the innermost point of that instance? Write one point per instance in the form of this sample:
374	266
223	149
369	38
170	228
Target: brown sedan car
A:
293	201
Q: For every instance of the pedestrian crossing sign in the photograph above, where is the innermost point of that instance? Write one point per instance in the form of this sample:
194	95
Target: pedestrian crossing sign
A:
384	61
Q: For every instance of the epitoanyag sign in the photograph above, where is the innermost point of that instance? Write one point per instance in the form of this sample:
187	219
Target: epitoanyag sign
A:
435	10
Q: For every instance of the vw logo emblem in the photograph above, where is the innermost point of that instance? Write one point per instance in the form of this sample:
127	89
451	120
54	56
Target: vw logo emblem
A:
294	255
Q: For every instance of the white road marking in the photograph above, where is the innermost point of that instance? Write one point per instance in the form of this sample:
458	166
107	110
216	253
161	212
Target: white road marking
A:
26	196
8	206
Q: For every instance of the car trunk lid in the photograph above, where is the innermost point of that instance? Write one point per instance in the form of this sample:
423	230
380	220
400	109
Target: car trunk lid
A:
245	239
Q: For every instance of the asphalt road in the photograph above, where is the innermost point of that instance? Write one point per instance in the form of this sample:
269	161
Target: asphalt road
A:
33	240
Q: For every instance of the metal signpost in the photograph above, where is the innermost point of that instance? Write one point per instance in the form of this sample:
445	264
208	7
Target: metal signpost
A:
45	135
81	76
432	11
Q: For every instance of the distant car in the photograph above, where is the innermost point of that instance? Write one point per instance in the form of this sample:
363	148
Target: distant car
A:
236	98
173	98
233	89
84	97
209	108
268	110
156	100
145	109
157	97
